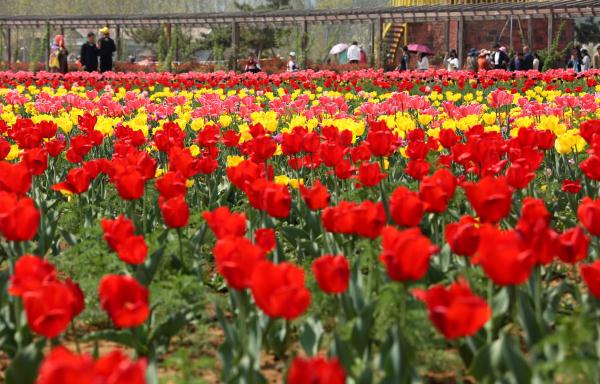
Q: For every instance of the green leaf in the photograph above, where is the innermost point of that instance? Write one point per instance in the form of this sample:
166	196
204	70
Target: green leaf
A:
23	368
145	272
122	337
515	361
481	365
293	234
533	330
161	335
500	303
343	351
69	237
310	336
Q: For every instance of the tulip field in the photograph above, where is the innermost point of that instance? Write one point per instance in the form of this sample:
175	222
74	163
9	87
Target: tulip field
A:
310	227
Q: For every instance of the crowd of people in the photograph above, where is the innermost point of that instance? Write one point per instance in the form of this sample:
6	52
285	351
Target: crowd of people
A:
98	56
94	55
579	60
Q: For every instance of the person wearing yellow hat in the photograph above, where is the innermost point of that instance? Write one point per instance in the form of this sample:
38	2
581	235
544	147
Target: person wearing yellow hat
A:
106	47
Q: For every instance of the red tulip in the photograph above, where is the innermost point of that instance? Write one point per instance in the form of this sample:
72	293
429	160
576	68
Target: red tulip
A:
463	236
418	168
124	299
369	174
405	207
504	256
51	307
14	178
316	197
366	219
268	196
175	211
455	311
36	160
571	186
381	141
224	223
316	370
55	147
19	219
448	138
77	181
591	167
116	231
61	366
534	229
588	214
591	275
236	258
245	173
133	250
279	290
406	253
265	239
4	148
572	245
130	185
519	174
171	184
31	272
437	190
332	273
491	198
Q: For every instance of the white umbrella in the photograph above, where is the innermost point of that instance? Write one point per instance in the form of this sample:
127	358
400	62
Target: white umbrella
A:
338	48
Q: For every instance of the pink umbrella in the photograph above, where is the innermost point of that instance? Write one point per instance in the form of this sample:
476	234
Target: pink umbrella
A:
420	48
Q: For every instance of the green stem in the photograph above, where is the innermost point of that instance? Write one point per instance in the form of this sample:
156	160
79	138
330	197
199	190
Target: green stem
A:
403	306
490	299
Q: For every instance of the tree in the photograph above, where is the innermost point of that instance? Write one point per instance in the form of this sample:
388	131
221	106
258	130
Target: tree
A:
258	39
588	32
145	36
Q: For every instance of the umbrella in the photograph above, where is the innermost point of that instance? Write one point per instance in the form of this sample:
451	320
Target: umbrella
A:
420	48
338	48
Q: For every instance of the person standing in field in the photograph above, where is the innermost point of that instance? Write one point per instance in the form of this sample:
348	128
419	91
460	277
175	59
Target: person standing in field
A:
353	53
451	61
537	63
89	54
471	64
404	58
106	47
291	65
422	62
483	61
527	59
58	55
573	62
597	58
363	57
501	58
586	60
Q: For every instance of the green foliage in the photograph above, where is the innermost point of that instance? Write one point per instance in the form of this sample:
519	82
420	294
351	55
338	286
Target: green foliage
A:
162	48
554	55
146	36
588	32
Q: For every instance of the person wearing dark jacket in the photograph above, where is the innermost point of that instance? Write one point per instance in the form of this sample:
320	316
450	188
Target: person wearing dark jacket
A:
527	59
106	47
89	54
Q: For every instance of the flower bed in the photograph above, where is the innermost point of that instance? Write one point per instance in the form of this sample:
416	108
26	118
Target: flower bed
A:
329	227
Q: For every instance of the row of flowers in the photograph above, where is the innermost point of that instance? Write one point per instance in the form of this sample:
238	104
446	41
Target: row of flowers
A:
471	196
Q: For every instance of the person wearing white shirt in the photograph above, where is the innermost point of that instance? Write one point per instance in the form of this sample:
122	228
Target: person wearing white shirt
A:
291	65
452	63
586	60
353	53
422	62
